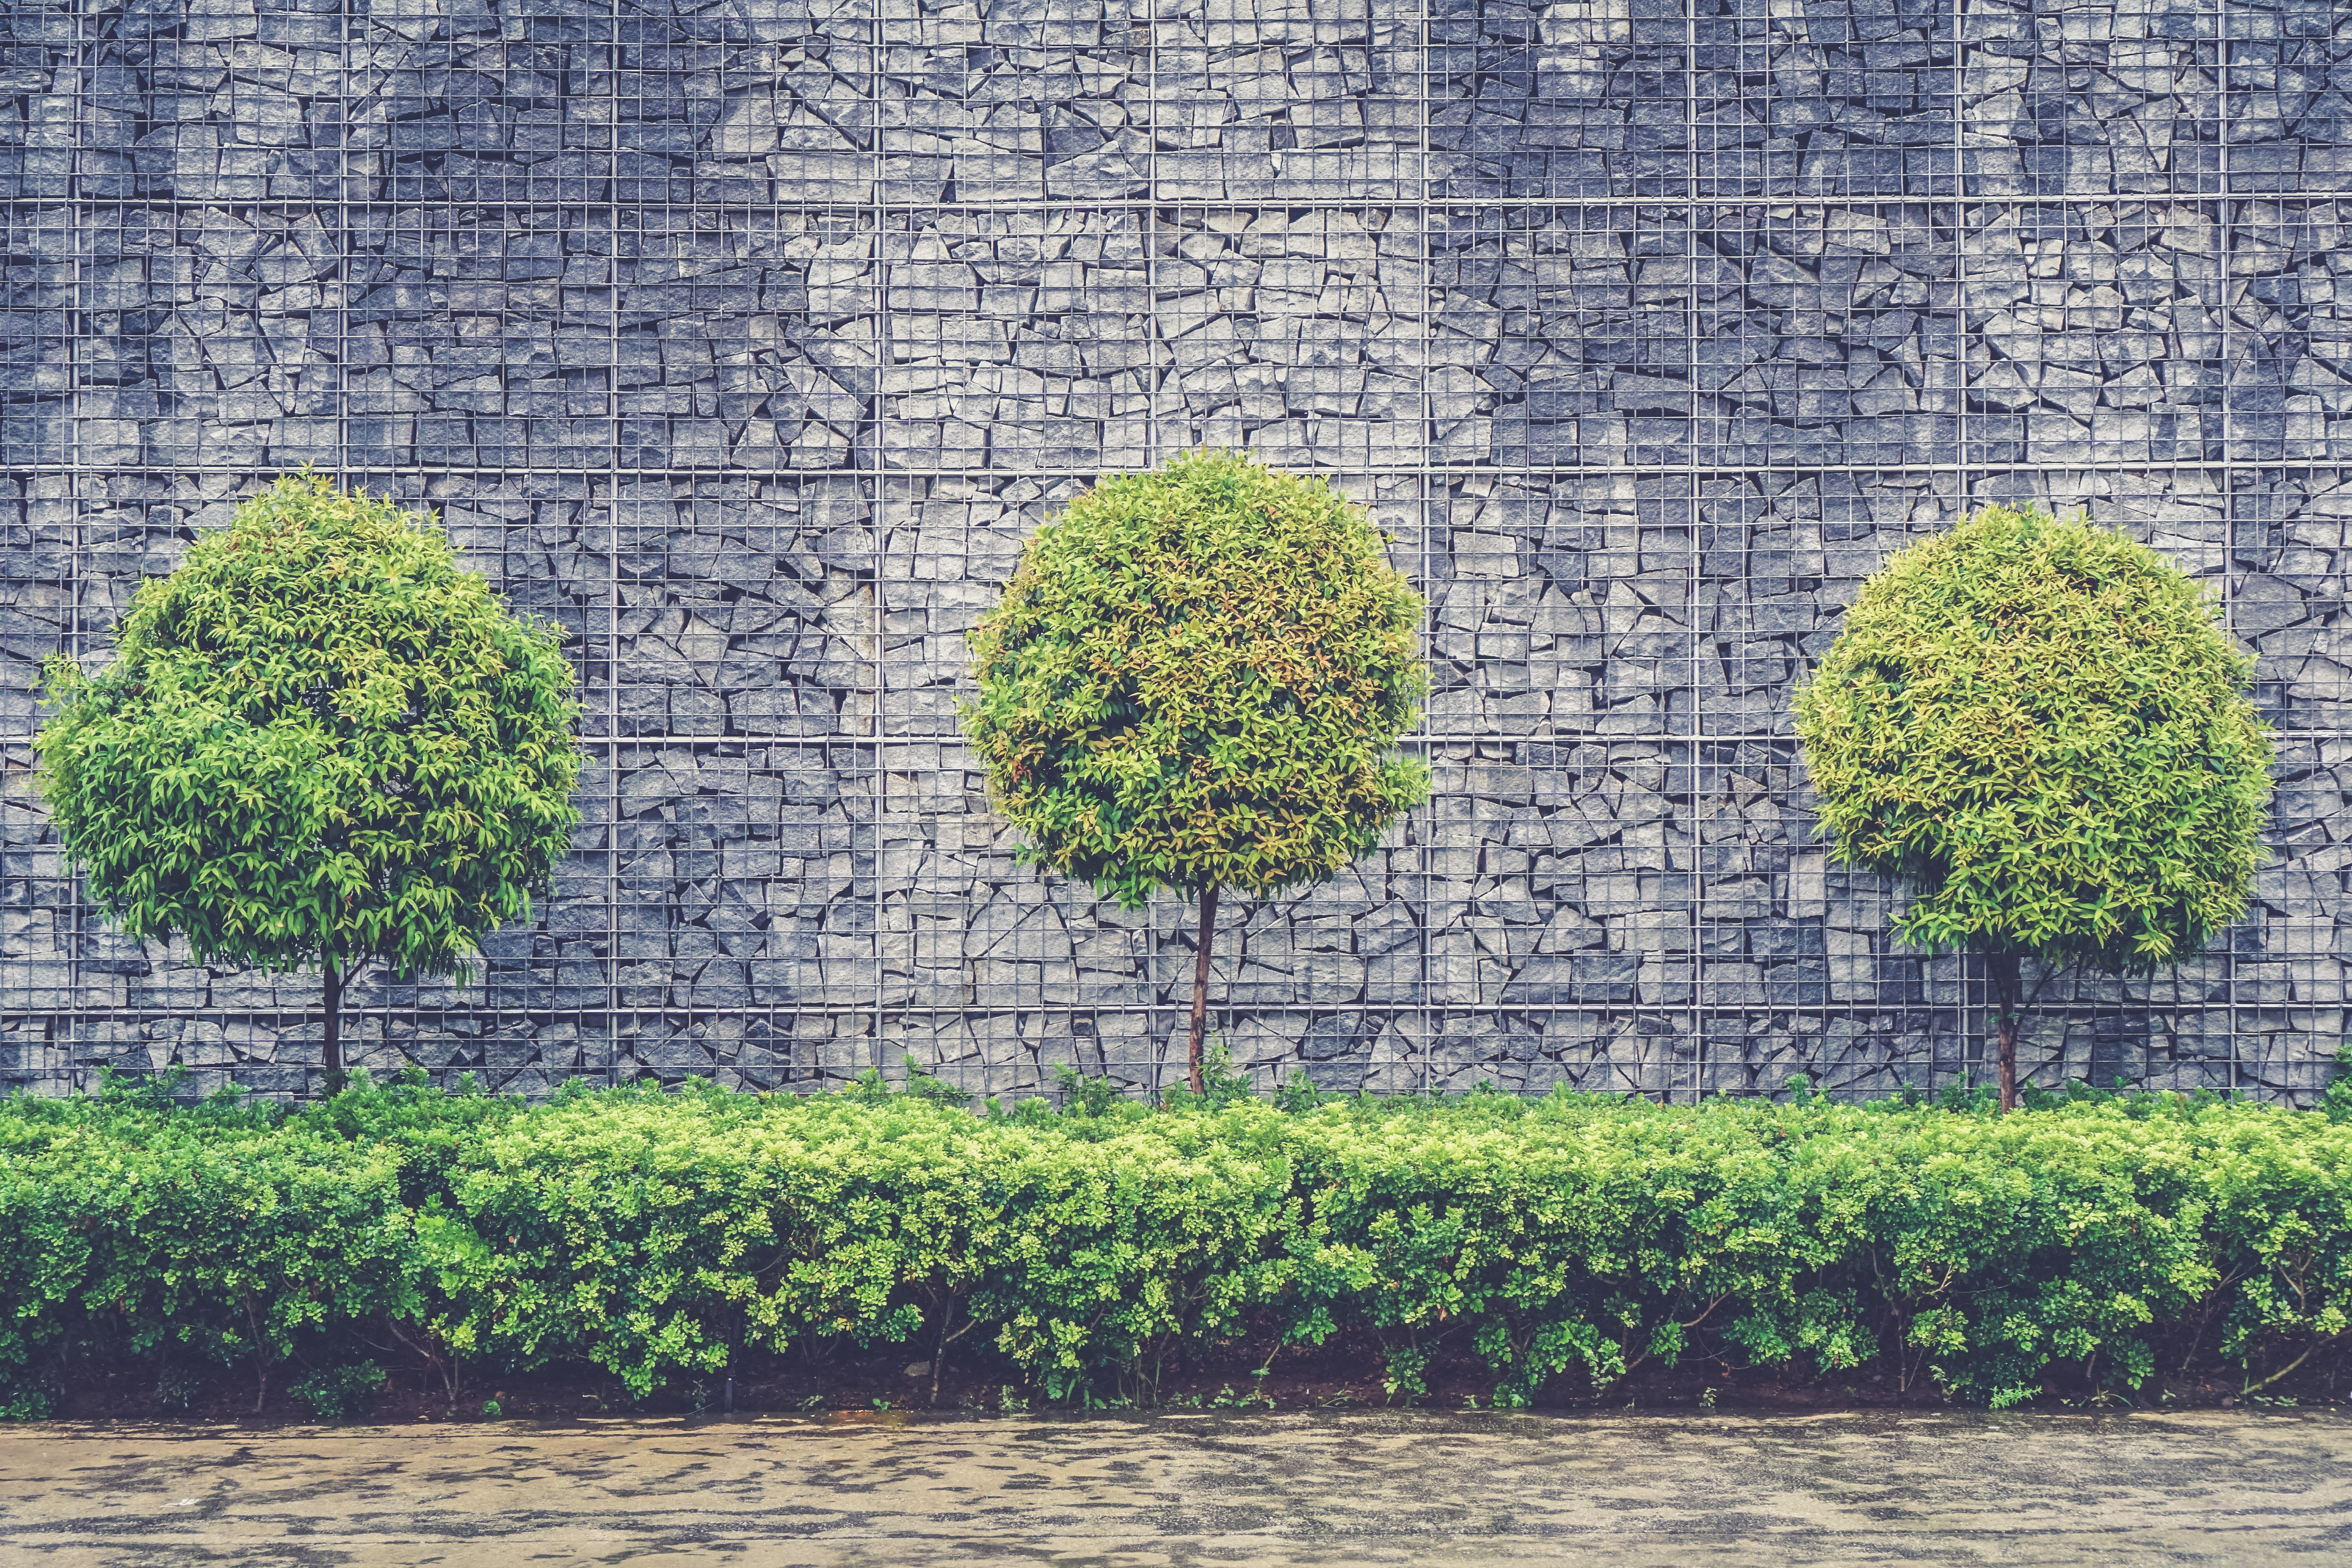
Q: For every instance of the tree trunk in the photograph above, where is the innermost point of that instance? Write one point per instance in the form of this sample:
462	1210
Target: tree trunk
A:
2008	1001
260	1359
1208	935
334	1051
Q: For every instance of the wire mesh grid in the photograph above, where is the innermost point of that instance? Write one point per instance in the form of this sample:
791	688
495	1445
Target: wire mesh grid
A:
748	342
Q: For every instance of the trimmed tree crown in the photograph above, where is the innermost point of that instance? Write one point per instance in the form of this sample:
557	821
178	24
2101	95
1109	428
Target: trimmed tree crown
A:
1196	679
319	742
2042	727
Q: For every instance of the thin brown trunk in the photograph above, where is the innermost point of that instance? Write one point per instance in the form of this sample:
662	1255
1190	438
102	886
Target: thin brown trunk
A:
940	1351
334	999
2008	1000
260	1361
2281	1373
1208	936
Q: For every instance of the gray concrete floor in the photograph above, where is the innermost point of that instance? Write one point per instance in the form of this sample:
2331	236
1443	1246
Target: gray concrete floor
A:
1404	1488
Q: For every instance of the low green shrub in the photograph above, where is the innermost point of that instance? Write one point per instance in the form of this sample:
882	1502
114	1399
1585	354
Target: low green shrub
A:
339	1392
661	1236
220	1234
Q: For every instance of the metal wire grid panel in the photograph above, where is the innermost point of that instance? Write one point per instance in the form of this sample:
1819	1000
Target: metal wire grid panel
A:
748	340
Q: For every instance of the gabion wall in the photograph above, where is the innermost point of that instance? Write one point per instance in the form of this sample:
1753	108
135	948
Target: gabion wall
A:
748	338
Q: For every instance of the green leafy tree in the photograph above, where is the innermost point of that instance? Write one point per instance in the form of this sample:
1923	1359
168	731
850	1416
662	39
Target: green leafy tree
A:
2042	728
320	744
1196	679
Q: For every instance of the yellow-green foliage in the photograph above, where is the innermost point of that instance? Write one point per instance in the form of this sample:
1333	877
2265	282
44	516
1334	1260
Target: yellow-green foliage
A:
1195	680
318	740
2042	727
654	1235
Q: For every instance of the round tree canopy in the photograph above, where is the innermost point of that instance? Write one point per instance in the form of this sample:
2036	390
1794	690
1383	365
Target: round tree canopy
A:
1196	679
2042	727
319	741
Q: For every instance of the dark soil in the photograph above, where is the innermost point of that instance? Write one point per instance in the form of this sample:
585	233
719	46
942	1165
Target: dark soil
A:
1345	1374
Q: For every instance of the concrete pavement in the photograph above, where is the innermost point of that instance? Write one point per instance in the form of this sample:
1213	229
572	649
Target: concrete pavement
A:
1126	1493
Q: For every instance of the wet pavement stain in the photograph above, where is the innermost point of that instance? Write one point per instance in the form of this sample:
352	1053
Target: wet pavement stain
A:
1189	1491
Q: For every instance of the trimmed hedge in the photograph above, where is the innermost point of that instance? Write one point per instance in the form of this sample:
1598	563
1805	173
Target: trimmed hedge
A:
656	1235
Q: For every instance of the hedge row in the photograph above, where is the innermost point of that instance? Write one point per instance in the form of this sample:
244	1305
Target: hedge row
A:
659	1235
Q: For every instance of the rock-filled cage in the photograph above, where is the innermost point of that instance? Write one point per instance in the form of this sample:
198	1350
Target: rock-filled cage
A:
747	339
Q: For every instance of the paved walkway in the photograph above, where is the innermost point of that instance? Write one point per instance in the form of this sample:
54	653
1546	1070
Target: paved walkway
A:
1956	1489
